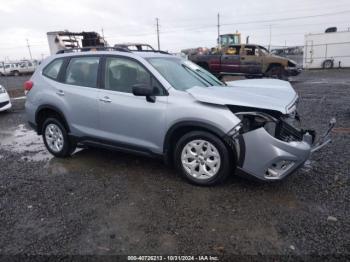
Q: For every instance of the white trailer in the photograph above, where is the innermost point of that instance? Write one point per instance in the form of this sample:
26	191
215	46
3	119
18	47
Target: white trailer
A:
327	50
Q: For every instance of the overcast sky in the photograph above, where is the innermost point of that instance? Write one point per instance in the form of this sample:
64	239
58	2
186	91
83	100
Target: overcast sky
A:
183	23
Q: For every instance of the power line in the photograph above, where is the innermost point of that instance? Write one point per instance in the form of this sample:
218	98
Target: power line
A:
196	28
284	11
288	18
219	26
257	21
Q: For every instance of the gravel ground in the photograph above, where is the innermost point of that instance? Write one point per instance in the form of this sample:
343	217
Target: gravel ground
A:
13	82
102	202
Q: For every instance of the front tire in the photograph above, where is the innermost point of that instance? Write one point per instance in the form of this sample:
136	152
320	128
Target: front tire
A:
56	138
202	158
276	72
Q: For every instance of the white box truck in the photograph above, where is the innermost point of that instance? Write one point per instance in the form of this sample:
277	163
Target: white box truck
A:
327	50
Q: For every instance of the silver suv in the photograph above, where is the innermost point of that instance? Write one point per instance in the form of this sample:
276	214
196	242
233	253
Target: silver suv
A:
157	104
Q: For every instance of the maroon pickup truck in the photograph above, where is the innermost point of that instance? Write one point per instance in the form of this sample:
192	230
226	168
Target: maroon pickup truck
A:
249	60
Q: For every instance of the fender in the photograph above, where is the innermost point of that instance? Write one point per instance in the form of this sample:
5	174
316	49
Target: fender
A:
54	108
190	124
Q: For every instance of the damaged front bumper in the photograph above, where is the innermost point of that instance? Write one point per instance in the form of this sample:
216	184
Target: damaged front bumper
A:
267	158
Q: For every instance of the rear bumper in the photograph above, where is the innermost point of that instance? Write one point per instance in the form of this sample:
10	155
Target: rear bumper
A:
30	110
267	158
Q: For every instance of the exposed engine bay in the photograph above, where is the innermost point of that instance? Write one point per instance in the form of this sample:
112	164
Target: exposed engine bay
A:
271	145
286	128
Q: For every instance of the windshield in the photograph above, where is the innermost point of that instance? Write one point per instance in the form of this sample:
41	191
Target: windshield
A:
182	74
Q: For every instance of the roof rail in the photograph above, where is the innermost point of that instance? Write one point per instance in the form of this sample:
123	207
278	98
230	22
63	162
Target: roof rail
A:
93	48
153	51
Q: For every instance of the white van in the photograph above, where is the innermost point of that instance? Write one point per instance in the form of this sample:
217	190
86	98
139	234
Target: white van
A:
27	67
9	69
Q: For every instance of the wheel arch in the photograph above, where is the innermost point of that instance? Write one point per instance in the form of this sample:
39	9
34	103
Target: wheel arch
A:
326	61
45	111
273	64
176	131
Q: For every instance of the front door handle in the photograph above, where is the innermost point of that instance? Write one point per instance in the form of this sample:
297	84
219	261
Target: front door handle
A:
106	99
60	93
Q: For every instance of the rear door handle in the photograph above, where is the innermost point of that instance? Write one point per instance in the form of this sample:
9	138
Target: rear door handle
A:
60	93
106	99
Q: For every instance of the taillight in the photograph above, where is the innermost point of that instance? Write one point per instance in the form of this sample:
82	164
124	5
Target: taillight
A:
27	86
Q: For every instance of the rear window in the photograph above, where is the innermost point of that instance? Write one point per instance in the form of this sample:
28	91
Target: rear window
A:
53	69
82	71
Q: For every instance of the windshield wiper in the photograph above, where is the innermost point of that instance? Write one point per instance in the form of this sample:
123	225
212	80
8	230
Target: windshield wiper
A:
211	80
196	75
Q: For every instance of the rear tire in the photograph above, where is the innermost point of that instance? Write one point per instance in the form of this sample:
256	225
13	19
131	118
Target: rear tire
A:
202	158
328	64
56	138
16	73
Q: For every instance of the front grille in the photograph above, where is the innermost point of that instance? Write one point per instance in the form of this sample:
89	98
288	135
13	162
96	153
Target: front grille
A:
4	104
287	133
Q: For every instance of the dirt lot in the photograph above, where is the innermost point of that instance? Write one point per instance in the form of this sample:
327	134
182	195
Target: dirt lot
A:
102	202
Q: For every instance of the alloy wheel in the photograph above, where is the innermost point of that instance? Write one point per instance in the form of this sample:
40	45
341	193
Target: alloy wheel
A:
200	159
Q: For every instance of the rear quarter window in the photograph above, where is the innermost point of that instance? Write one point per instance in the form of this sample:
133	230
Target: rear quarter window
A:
52	70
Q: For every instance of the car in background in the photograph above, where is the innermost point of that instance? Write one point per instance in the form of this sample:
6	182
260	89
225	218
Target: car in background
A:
249	60
18	68
2	69
5	102
7	69
27	67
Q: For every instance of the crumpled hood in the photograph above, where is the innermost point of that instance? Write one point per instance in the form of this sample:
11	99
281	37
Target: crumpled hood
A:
270	94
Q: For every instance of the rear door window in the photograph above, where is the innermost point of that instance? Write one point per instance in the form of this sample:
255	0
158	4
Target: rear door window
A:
82	71
52	70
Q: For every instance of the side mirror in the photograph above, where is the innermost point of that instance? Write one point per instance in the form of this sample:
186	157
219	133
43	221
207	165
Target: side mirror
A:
144	90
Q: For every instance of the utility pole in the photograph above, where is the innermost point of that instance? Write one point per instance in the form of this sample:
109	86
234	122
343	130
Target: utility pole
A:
30	52
157	20
270	38
218	30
